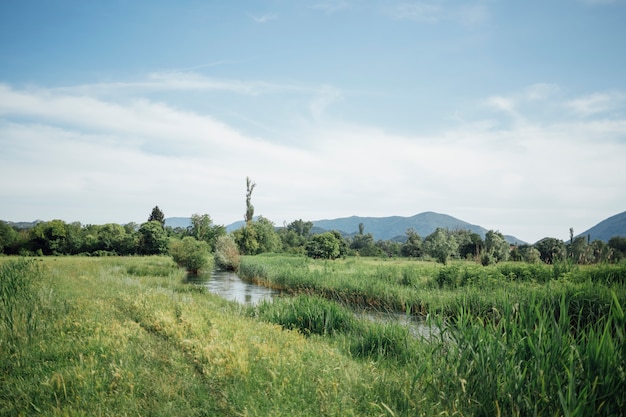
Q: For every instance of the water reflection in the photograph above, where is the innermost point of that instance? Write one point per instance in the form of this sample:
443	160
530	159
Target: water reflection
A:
229	286
418	327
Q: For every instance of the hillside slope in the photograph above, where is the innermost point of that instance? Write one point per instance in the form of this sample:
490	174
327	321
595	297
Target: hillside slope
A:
608	228
387	228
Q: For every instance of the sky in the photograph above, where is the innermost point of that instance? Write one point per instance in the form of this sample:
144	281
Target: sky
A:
509	114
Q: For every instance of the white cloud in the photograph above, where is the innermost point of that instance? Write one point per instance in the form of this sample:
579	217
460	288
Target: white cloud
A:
264	18
596	103
85	158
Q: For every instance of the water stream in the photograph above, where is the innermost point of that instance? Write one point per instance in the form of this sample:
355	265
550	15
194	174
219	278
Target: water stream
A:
229	286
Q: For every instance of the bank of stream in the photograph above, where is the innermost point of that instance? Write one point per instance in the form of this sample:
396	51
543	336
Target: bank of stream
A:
229	286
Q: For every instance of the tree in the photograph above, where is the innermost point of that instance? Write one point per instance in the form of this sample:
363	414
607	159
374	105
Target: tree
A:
226	253
300	227
496	246
157	215
249	207
323	246
246	240
190	254
552	250
441	245
8	237
579	251
202	228
470	244
266	235
412	248
49	238
153	239
618	244
294	236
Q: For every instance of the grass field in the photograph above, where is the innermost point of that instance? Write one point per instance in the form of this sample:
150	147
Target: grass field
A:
126	336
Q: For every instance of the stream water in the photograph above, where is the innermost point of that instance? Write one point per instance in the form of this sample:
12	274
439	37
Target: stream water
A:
229	286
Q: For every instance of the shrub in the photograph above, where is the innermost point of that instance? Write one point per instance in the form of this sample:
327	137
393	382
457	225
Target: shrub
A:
190	254
226	253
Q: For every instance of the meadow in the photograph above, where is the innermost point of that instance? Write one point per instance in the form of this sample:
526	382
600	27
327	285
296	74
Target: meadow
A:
127	336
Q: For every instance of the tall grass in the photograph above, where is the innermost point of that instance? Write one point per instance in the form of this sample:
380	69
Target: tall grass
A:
111	342
532	362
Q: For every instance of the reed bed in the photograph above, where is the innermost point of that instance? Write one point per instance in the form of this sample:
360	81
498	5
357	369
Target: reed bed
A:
127	336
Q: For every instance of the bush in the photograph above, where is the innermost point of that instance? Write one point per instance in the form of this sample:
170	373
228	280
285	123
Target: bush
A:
226	253
190	254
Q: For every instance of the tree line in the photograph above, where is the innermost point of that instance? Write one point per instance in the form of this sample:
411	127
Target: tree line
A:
260	235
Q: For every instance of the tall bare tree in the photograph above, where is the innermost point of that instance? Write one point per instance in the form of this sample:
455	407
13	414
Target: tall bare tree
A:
249	207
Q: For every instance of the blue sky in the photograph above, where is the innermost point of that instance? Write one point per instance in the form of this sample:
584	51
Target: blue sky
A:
506	114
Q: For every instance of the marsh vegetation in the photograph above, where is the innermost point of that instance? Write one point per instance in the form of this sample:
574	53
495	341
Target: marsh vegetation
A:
129	336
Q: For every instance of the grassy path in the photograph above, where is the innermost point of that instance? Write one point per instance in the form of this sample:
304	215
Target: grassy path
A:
113	343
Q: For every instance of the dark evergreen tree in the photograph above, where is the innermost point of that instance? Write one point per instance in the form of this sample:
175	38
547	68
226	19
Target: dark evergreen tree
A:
157	215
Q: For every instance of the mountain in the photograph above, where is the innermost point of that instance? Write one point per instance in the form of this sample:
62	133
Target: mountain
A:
608	228
395	227
23	225
382	228
175	222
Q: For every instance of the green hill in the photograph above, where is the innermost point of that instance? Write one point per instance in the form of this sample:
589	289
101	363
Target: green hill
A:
395	227
608	228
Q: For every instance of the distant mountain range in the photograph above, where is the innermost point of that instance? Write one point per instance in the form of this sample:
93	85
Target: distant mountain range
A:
395	227
381	228
608	228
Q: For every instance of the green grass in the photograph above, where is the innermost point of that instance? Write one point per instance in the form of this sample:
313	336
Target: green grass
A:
126	336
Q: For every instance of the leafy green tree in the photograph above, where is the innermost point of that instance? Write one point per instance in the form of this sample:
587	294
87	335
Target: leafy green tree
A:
202	228
496	246
300	227
49	238
471	245
389	248
190	254
246	240
526	253
152	239
295	235
579	251
256	237
74	238
266	235
226	253
364	244
618	244
157	215
323	246
441	245
8	237
412	248
551	249
111	237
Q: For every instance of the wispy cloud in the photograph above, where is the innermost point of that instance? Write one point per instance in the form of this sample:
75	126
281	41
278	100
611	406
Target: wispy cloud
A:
136	152
597	103
264	18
